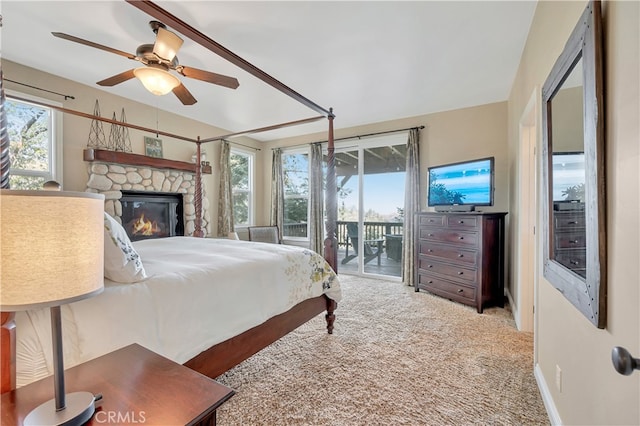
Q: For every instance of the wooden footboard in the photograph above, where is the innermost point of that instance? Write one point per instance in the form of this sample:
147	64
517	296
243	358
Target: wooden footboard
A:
212	362
223	356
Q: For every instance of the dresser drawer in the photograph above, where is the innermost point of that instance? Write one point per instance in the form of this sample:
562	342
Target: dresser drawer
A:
569	221
432	220
576	260
465	238
447	289
463	221
460	255
570	239
455	272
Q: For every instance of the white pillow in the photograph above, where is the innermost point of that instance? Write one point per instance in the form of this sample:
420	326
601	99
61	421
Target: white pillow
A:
122	262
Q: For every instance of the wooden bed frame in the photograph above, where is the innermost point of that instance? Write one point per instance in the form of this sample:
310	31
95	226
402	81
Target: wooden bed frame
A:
223	356
213	361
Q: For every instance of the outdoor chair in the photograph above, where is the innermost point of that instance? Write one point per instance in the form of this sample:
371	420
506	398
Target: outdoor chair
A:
372	248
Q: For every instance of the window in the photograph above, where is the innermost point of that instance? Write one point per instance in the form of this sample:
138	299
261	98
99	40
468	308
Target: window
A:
242	186
33	151
295	168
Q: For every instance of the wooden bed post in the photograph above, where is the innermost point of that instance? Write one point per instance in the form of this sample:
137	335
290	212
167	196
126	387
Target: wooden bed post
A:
330	242
330	316
198	232
7	352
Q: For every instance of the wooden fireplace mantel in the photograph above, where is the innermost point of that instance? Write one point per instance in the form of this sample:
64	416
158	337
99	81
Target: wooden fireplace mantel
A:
118	157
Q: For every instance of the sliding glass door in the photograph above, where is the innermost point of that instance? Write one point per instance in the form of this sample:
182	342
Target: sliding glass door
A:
371	179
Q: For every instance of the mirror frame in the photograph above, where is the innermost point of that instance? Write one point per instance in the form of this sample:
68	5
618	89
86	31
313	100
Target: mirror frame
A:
587	295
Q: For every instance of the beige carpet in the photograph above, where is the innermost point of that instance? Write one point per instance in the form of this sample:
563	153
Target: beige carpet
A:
396	358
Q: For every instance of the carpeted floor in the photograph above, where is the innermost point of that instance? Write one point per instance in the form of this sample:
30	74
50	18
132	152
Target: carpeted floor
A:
396	358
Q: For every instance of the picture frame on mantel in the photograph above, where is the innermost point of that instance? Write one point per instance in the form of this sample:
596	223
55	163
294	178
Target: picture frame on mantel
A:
153	147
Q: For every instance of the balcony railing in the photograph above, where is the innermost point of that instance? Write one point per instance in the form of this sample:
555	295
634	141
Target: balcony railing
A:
372	230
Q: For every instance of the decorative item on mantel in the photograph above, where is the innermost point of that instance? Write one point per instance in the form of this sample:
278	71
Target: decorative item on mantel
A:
125	140
96	133
114	134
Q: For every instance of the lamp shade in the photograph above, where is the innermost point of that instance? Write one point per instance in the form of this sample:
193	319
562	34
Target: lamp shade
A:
167	44
52	246
156	80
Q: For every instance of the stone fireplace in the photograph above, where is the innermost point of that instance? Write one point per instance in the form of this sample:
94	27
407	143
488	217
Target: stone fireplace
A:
112	180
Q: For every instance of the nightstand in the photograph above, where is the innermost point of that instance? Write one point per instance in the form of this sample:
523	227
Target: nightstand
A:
137	386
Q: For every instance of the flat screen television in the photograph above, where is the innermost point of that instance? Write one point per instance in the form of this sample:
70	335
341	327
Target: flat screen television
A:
568	177
467	183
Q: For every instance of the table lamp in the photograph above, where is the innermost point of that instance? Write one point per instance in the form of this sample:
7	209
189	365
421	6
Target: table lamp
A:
52	245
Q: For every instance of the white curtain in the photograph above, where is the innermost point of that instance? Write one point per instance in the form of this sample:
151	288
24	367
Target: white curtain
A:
411	206
316	200
277	192
225	197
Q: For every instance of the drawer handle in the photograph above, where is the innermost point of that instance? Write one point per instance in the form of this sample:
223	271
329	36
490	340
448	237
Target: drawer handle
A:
574	262
430	251
460	290
429	266
574	241
461	238
461	255
460	273
573	222
430	235
429	282
461	221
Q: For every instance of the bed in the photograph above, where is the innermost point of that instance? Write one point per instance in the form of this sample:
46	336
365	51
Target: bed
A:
205	303
202	257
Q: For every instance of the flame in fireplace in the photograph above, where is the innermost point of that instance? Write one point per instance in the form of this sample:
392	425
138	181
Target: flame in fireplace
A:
142	226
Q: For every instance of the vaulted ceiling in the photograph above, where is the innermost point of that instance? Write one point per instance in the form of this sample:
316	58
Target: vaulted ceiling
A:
369	60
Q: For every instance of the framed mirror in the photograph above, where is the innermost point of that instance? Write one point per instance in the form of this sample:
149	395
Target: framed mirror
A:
573	170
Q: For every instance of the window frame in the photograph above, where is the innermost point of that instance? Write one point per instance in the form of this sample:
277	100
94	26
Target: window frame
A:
55	132
251	155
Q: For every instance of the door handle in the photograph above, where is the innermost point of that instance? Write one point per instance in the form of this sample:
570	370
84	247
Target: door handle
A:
623	362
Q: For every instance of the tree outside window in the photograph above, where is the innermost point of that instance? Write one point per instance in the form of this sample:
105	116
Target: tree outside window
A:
242	187
295	167
32	145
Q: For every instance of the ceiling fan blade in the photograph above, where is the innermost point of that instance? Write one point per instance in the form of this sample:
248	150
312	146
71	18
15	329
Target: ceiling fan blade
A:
167	44
210	77
92	44
184	95
117	79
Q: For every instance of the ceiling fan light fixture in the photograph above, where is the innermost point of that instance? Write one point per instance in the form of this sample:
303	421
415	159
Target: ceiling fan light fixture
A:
167	44
156	80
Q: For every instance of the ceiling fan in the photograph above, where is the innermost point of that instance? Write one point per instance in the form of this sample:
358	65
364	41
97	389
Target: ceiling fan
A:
159	58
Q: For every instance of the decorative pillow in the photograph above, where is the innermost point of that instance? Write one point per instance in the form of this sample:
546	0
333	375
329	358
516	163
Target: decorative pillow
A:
122	262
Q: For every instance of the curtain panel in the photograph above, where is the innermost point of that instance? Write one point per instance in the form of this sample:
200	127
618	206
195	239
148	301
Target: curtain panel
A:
411	206
225	197
277	192
316	200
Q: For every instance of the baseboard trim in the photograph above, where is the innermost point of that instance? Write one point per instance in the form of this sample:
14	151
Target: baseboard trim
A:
547	399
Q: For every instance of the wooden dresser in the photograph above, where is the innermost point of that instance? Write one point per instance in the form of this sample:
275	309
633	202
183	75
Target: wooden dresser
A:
569	238
460	256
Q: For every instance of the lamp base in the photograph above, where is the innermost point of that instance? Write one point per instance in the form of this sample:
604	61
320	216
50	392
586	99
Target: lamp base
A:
80	406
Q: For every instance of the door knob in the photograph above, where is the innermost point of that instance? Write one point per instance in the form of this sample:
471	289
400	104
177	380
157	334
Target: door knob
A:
623	362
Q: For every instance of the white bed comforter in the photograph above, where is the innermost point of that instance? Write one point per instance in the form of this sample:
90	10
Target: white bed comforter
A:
199	292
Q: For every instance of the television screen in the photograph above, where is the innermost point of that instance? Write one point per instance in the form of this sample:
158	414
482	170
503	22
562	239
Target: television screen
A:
464	183
568	176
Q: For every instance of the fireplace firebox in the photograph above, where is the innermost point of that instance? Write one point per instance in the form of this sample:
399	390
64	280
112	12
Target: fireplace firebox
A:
152	214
